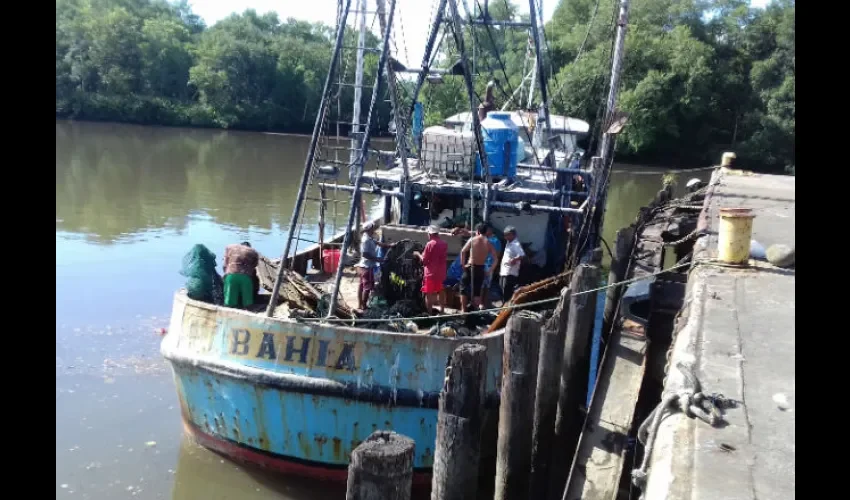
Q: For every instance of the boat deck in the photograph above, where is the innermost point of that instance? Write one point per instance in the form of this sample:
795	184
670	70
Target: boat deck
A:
528	185
349	284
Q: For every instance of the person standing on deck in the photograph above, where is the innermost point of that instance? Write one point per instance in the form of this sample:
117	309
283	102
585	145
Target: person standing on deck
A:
477	248
240	269
489	266
434	260
511	259
489	103
368	261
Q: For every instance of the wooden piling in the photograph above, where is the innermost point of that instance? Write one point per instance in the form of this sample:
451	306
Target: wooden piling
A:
516	415
381	468
575	369
458	449
623	245
546	399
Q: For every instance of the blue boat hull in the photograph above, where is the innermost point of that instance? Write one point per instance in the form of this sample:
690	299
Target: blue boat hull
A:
299	398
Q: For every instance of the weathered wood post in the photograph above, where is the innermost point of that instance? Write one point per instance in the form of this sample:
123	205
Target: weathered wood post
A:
458	449
381	468
622	251
516	415
574	375
546	400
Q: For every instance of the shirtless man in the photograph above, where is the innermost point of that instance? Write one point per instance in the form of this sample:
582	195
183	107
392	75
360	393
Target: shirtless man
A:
478	248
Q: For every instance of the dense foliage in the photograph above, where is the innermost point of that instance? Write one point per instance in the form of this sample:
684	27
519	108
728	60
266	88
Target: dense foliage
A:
701	76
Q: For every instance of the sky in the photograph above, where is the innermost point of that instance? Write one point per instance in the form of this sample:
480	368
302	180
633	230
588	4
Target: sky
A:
411	22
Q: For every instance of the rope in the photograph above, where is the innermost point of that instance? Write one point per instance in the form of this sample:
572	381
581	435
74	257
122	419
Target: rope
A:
692	234
496	309
691	401
650	172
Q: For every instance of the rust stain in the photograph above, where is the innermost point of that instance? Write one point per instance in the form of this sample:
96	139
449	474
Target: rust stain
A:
287	440
237	431
305	445
259	421
320	440
337	448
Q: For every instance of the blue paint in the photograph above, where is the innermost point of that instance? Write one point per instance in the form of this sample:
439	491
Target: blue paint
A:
301	426
500	135
307	391
418	124
596	347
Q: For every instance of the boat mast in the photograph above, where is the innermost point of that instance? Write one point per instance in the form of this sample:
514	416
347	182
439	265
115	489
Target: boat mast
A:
473	106
605	157
358	86
311	153
541	75
536	54
362	156
616	69
400	129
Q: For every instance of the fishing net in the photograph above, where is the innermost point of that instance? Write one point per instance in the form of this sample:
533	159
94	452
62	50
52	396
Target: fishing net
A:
402	274
202	280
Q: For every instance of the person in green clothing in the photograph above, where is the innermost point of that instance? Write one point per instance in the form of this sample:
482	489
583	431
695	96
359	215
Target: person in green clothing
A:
240	268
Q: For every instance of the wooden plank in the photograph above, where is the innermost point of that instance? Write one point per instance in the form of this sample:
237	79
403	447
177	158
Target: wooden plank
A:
598	464
529	293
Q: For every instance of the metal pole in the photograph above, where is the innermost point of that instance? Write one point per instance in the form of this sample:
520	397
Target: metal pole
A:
429	48
616	69
311	152
606	149
541	75
401	132
364	151
358	84
473	107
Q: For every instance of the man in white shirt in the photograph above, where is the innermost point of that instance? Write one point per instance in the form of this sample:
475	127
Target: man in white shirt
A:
511	259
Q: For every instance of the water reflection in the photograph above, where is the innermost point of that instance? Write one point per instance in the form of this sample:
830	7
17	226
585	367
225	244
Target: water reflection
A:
196	465
115	182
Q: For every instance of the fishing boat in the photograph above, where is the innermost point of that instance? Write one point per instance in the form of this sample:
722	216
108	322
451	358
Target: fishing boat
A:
298	392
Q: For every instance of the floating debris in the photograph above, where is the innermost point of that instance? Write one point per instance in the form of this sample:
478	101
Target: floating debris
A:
150	444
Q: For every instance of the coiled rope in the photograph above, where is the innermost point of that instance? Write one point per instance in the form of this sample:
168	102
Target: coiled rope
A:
691	401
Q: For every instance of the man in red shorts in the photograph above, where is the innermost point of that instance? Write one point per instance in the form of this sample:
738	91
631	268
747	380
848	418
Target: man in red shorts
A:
434	260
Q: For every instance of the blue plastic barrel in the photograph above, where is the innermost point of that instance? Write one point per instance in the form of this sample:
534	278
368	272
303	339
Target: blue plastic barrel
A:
501	142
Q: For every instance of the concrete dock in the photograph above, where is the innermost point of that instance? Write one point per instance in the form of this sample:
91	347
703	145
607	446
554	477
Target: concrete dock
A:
736	335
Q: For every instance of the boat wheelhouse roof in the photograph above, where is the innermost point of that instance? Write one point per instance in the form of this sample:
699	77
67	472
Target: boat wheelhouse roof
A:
560	124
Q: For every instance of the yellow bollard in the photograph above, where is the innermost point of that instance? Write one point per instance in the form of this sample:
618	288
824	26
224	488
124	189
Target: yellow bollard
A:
736	231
